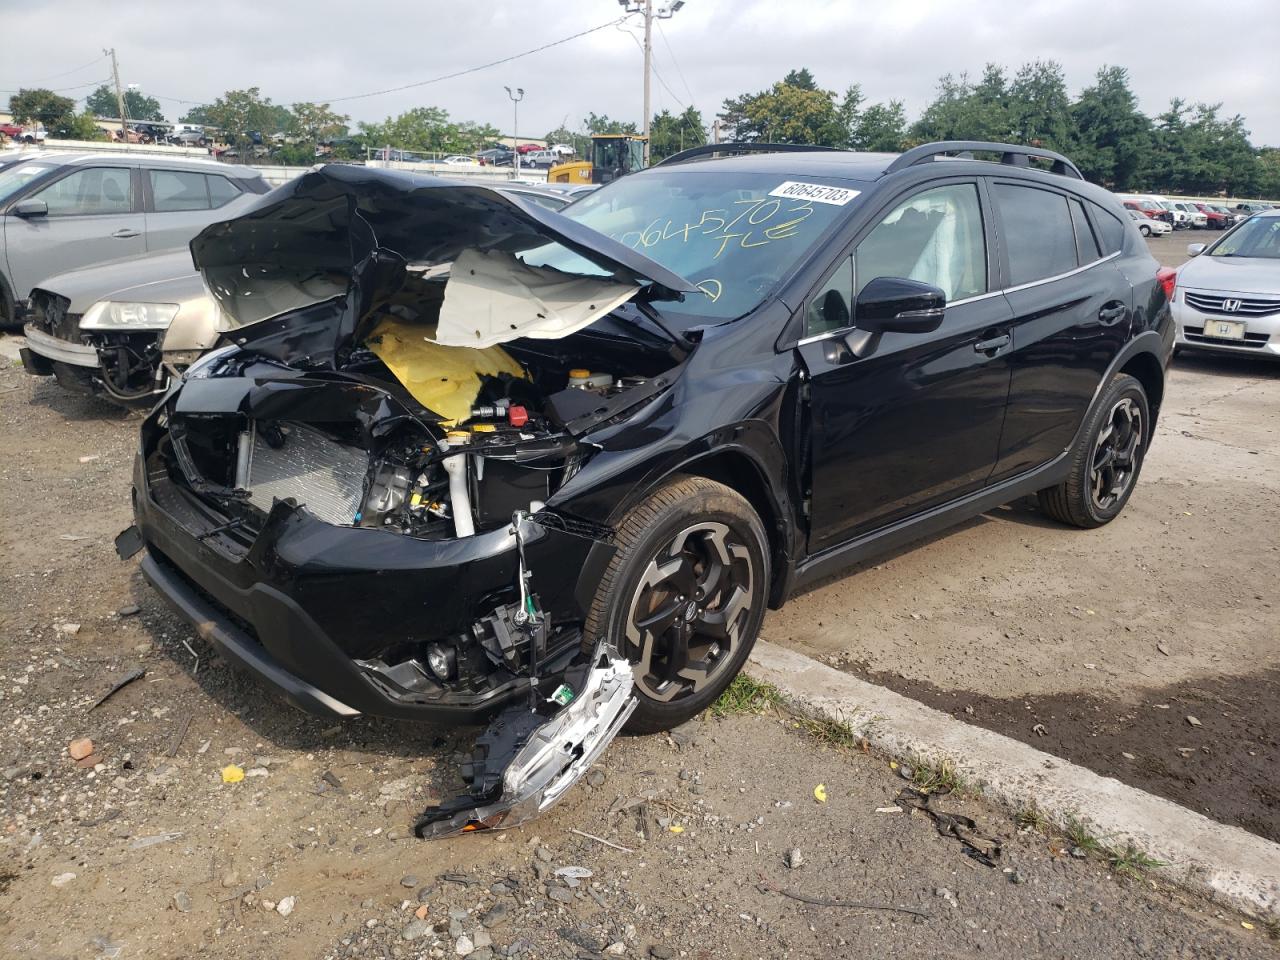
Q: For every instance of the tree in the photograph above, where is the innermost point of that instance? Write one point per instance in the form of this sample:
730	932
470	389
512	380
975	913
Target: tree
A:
82	126
793	110
801	78
238	113
598	124
1111	138
669	134
963	110
317	123
1039	105
1268	165
137	105
44	107
428	130
882	127
198	115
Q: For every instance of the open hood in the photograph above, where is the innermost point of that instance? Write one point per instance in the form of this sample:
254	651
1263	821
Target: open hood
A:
315	264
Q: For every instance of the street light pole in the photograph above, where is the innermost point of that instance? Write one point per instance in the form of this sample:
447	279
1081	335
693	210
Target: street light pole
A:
662	13
516	97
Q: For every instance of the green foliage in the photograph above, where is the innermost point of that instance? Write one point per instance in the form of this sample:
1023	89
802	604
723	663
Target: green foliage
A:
797	110
747	695
601	123
669	134
1112	137
81	126
42	106
137	105
317	123
1039	106
198	115
428	130
237	113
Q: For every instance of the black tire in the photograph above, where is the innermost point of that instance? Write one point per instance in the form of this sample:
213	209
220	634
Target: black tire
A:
1144	229
1107	459
690	521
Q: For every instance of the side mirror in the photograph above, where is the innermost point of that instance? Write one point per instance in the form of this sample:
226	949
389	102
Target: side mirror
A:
30	208
1195	249
898	305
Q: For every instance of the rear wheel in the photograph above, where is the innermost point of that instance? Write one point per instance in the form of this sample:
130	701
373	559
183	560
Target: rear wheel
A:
1107	458
683	598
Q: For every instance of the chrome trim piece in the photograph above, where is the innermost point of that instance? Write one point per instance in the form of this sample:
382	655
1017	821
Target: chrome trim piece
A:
1062	276
61	351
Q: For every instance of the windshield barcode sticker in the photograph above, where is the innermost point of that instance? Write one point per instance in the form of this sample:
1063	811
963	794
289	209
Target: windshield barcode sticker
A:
817	192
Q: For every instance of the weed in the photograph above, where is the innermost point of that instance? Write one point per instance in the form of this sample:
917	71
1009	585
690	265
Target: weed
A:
833	733
1077	832
1033	818
930	777
1131	861
747	695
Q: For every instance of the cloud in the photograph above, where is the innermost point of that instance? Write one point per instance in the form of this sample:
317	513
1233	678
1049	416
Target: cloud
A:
710	50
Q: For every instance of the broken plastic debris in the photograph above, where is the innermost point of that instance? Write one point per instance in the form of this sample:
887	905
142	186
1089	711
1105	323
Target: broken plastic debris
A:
563	695
527	760
574	873
1246	924
232	774
676	828
893	809
1193	721
820	793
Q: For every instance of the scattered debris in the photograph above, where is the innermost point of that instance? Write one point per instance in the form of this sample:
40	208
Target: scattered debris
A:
820	793
1040	730
766	887
894	808
285	906
72	537
983	849
1193	721
179	735
947	895
607	843
128	610
574	873
794	858
143	842
89	458
1163	649
232	773
409	880
331	779
62	879
130	675
182	901
68	629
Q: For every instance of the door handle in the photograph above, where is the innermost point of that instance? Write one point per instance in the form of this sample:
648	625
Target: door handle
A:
1112	313
124	233
992	343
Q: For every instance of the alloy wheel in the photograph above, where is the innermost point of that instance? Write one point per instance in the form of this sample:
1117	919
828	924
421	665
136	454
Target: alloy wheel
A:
689	611
1116	453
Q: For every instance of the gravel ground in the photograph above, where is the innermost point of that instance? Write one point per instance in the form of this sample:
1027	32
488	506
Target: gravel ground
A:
145	851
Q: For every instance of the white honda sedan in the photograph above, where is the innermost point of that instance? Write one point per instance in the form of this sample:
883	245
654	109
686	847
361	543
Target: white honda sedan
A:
1228	293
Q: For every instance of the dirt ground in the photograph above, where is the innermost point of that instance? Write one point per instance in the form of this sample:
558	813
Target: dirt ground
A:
148	853
1100	646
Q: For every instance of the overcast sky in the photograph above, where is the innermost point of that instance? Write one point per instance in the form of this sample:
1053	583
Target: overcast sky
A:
1210	50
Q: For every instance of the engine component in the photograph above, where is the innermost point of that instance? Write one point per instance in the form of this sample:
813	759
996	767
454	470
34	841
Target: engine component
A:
526	760
501	487
581	379
459	497
387	494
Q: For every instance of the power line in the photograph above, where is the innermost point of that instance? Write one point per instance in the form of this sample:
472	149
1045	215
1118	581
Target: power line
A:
69	72
667	43
78	86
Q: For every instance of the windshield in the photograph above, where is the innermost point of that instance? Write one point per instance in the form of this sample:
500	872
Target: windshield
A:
733	235
13	179
1256	237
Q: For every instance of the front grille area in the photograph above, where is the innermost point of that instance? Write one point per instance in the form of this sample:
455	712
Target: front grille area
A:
49	314
1249	306
325	476
1253	340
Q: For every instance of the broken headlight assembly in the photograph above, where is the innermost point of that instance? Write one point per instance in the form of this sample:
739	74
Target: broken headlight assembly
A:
113	315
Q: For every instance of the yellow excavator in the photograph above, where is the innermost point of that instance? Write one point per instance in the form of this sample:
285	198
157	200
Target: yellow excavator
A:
613	155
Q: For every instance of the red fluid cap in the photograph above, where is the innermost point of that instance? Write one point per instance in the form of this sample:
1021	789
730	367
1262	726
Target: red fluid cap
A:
517	416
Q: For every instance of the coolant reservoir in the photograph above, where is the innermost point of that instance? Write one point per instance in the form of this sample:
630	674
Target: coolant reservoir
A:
580	379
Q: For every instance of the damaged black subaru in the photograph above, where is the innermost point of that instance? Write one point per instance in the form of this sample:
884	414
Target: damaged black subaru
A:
466	459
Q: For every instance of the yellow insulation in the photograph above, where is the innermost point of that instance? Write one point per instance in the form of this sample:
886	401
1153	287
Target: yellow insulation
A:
443	379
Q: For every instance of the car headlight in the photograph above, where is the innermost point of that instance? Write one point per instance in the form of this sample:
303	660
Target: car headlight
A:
116	315
201	369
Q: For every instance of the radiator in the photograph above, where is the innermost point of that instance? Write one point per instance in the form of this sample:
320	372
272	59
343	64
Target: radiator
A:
319	473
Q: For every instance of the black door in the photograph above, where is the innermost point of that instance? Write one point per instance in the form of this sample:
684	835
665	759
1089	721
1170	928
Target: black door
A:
1072	312
914	421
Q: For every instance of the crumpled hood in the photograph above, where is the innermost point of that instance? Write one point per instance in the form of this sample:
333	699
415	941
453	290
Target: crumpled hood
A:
318	255
1231	274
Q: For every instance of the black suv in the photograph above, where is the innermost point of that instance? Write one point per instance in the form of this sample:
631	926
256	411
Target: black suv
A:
465	453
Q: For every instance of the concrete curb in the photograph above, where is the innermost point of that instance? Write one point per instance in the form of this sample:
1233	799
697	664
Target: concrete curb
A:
1224	863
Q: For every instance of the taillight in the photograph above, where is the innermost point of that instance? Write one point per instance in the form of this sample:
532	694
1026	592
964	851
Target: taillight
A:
1167	277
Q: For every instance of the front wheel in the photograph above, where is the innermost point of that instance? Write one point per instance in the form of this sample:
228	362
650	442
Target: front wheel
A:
683	597
1144	230
1107	458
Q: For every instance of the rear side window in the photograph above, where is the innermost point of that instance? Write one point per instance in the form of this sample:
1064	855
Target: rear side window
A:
1086	243
1110	230
176	190
221	191
1038	232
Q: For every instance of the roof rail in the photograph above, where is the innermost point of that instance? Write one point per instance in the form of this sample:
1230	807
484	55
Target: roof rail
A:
1011	154
735	149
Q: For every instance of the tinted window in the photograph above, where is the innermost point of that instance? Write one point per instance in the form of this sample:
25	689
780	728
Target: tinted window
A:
1086	243
221	191
935	237
1110	230
176	190
1038	232
831	307
91	190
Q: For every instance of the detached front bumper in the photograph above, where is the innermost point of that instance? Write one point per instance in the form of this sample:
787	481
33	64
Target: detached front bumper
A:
322	613
56	350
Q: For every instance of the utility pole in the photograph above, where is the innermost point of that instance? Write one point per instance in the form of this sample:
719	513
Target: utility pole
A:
662	13
515	126
115	75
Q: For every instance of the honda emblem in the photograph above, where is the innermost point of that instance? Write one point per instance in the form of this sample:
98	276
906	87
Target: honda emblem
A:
1230	306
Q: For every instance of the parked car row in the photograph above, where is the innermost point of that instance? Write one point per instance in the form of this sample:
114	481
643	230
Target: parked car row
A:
1184	214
